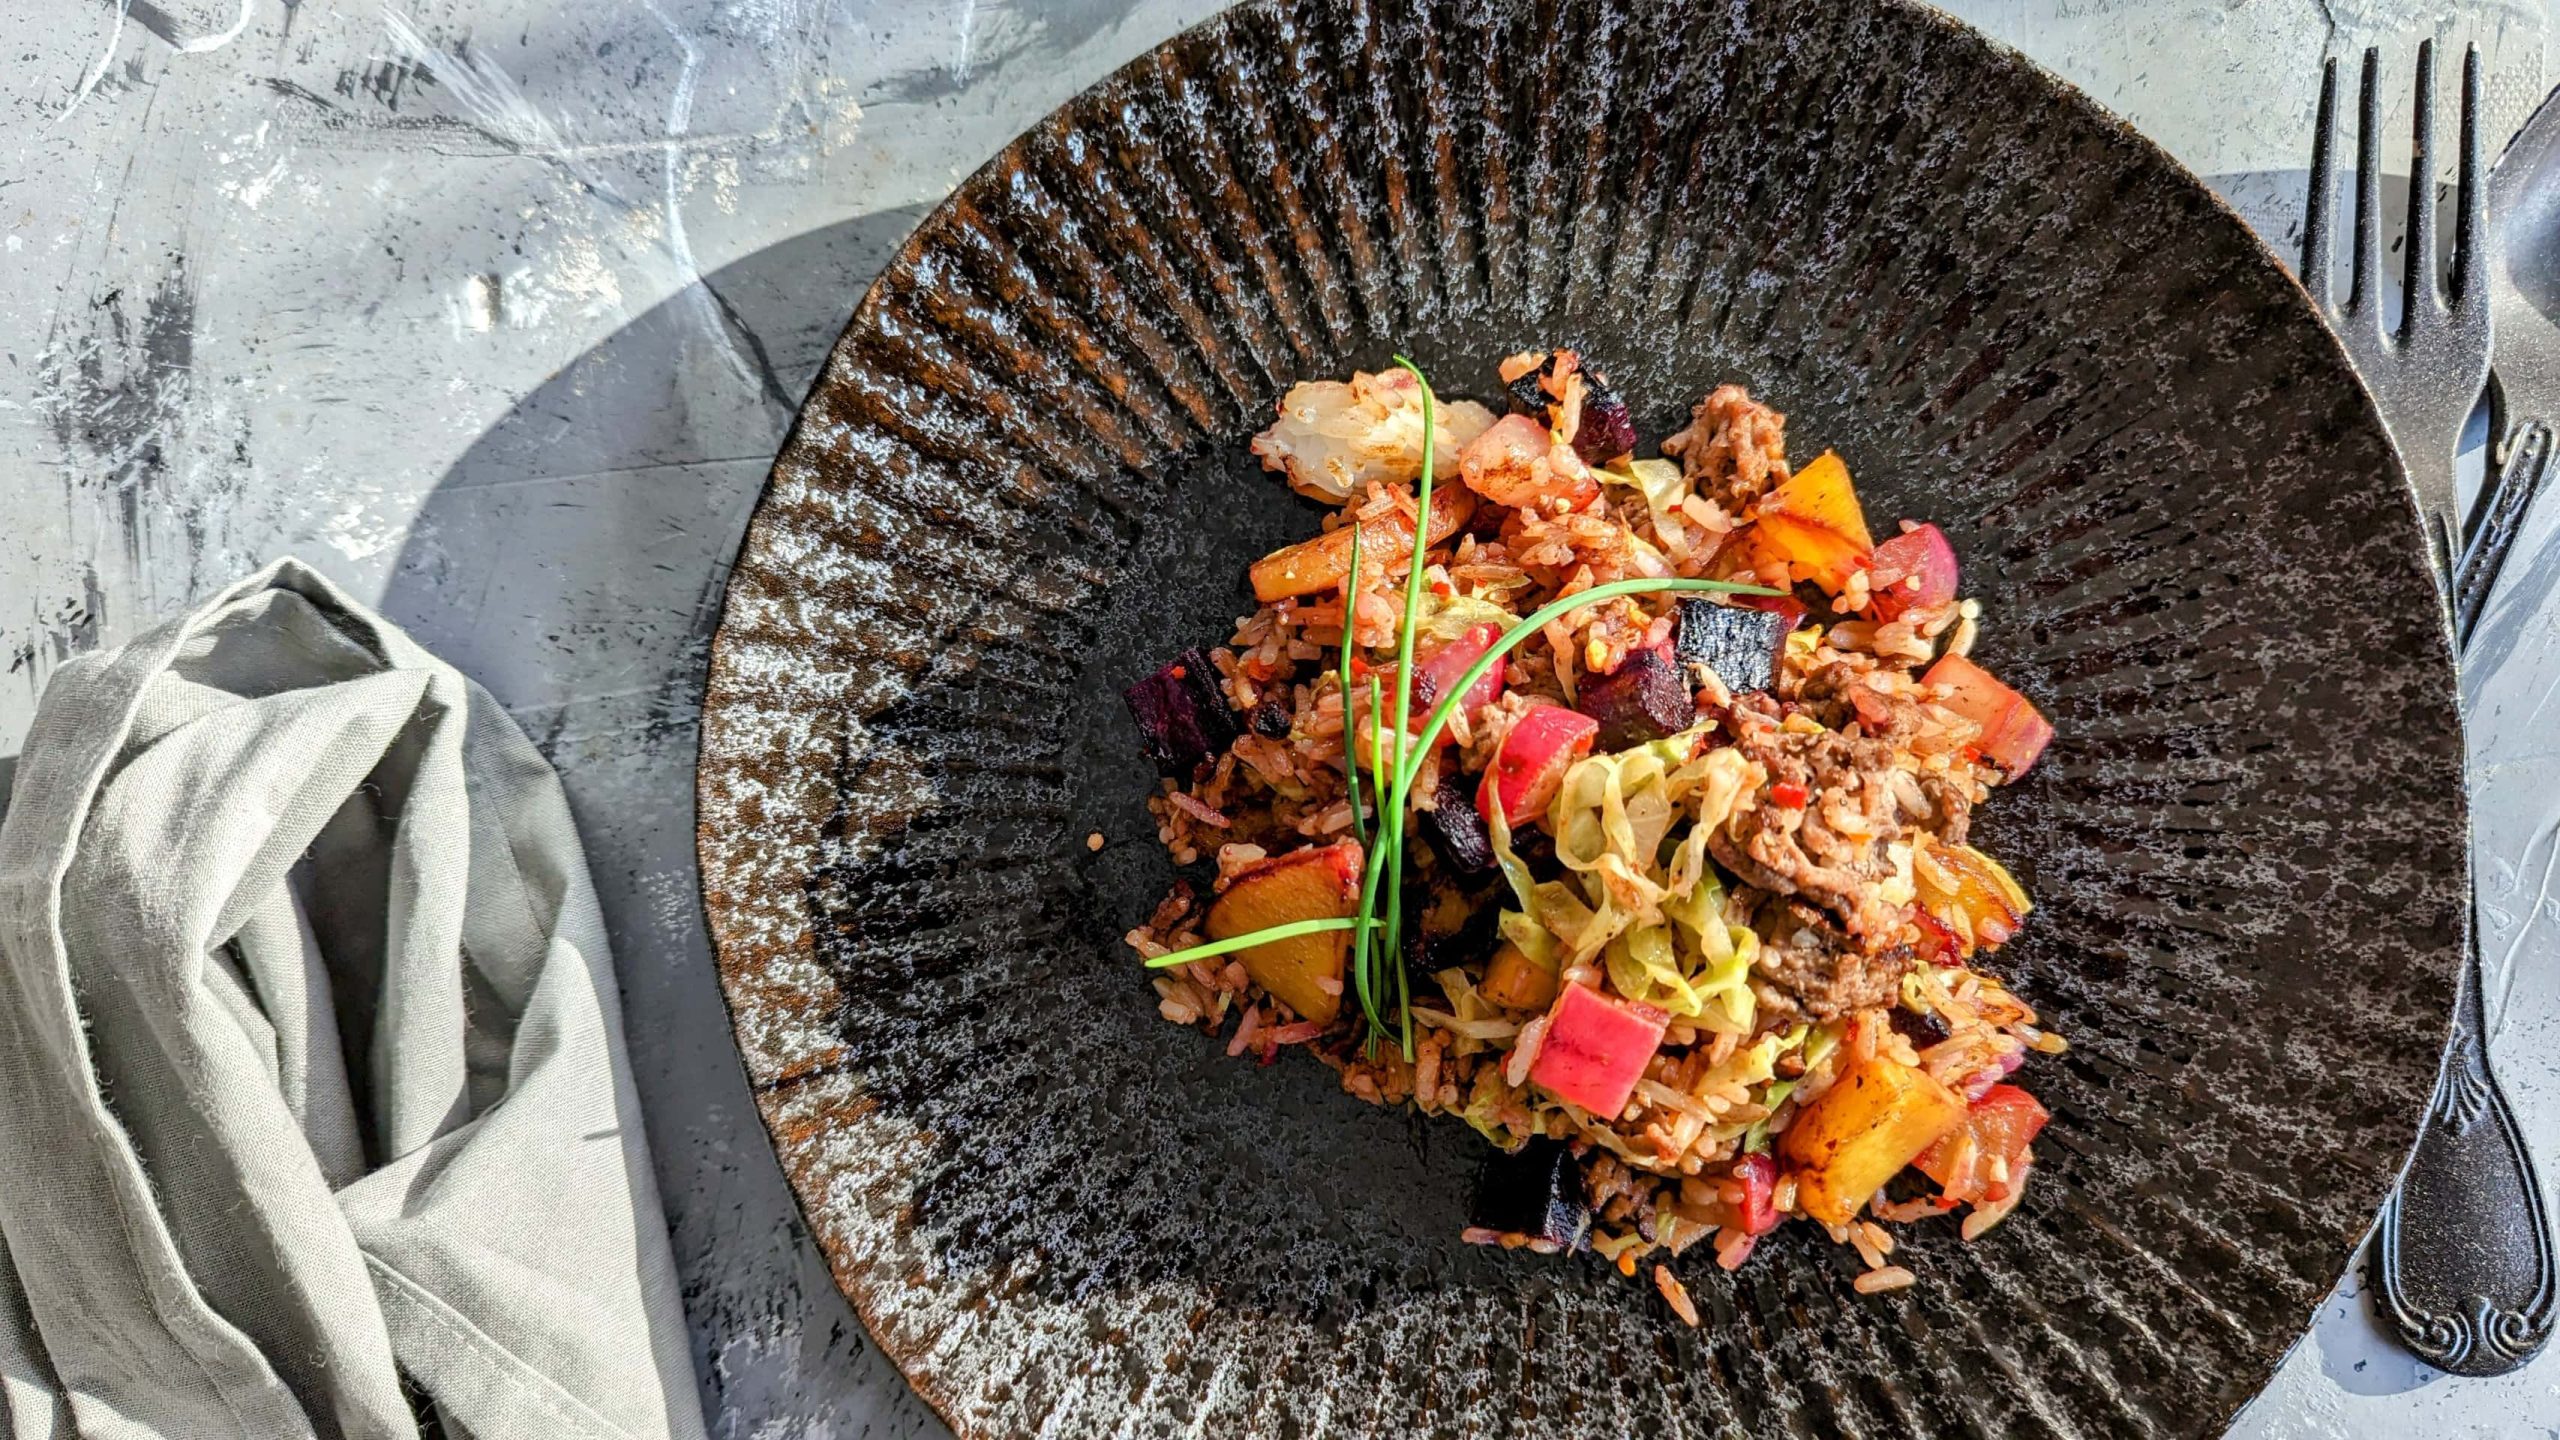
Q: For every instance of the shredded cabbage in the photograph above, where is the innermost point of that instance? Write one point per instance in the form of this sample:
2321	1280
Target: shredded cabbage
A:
1772	1092
1659	481
1443	618
1472	1018
1638	894
1483	1102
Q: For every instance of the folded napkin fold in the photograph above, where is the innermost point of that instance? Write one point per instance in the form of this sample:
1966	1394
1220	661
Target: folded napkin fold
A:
313	1094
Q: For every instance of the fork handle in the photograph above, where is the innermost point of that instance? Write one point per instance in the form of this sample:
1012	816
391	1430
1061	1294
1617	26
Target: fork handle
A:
2463	1261
2439	514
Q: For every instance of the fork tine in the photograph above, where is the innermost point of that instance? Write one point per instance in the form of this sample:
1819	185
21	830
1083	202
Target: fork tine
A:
2421	308
2470	292
2364	292
2319	216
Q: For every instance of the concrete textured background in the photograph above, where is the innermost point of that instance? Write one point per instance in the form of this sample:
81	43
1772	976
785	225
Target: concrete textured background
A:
496	310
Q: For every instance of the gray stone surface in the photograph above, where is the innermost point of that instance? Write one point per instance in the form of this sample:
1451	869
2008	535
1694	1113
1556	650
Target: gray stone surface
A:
496	310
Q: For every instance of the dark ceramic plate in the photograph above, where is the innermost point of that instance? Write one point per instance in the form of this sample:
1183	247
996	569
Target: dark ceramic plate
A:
1021	482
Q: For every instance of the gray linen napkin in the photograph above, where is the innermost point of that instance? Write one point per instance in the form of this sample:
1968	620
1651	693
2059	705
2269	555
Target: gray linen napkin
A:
312	1077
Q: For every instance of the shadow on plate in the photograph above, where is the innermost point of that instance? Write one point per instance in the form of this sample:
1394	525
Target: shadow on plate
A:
573	561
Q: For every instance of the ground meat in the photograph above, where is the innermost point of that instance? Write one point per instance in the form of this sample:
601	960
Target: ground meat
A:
1829	844
1735	449
1809	968
1950	805
1839	692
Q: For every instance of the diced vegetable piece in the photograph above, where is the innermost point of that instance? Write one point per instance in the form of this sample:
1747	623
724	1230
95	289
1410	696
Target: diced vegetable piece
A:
1182	714
1913	569
1741	645
1814	521
1448	664
1608	428
1864	1129
1596	1049
1972	897
1527	390
2014	732
1533	1195
1313	884
2002	1124
1759	1177
1457	829
1645	698
1311	566
1523	775
1517	980
1519	463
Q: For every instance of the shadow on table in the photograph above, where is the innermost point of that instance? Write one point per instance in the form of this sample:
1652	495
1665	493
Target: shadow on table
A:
573	561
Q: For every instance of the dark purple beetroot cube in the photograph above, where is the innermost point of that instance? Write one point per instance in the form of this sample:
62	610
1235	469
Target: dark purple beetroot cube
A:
1182	713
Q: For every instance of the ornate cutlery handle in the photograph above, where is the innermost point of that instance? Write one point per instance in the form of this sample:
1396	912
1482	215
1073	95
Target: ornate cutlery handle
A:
2463	1261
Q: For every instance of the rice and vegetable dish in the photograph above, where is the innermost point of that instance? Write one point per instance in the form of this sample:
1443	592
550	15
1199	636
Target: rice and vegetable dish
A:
1627	822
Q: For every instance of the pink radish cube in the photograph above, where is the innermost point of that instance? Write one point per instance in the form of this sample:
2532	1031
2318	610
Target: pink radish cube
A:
1913	569
1595	1050
2014	732
1525	773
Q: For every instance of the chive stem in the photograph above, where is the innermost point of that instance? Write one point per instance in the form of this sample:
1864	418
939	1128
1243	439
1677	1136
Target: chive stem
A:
1387	857
1263	936
1350	730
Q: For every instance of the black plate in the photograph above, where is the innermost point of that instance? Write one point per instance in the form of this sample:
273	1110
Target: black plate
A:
1021	482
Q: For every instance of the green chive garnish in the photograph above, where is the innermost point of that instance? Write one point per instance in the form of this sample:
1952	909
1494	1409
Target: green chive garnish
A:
1350	735
1289	931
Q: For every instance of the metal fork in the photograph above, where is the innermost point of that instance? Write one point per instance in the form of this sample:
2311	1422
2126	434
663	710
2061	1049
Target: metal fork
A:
2427	375
2463	1256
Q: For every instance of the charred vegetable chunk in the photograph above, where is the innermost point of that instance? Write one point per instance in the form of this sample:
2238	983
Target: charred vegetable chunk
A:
1305	971
1528	389
1740	645
1458	830
1874	1120
1920	1029
1182	714
1814	523
1270	719
1533	1196
1646	698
